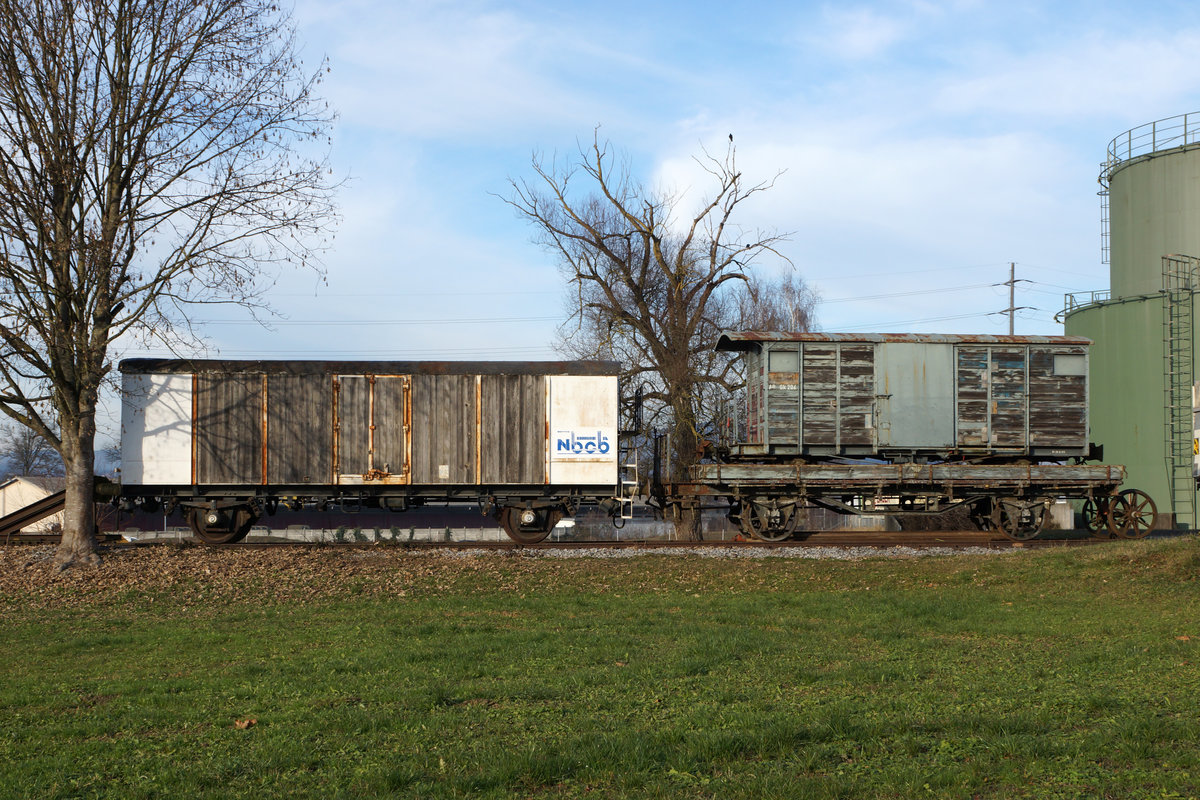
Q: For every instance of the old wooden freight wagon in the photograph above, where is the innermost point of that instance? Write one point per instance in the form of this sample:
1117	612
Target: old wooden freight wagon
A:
228	440
906	397
910	425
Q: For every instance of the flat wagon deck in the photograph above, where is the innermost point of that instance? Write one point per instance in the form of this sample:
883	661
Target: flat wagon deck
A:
768	499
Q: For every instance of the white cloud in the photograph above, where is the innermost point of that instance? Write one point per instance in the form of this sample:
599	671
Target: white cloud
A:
1094	76
460	70
857	33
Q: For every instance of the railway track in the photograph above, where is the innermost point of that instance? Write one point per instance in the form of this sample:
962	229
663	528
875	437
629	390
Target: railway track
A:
835	539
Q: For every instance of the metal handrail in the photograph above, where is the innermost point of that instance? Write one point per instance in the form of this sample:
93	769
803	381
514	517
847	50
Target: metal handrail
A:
1077	300
1163	134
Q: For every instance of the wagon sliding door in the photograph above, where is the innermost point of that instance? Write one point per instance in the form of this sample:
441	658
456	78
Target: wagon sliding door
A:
372	431
837	406
992	409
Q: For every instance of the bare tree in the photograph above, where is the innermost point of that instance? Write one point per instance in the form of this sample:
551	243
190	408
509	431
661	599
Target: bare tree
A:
651	284
785	303
25	452
153	153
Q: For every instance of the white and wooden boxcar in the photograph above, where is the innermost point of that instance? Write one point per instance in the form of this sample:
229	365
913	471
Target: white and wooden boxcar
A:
230	440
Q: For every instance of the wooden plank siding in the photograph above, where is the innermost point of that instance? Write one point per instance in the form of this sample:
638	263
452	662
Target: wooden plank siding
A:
513	429
820	400
1057	403
353	423
856	403
390	437
443	429
783	390
1008	398
821	397
1012	399
971	392
299	438
228	428
838	396
755	398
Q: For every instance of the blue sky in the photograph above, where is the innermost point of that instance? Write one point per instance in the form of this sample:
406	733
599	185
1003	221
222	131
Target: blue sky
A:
924	146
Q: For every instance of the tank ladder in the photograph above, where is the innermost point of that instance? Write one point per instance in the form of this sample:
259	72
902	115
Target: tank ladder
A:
1181	275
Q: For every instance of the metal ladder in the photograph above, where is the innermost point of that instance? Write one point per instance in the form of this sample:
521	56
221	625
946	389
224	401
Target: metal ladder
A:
629	487
1179	284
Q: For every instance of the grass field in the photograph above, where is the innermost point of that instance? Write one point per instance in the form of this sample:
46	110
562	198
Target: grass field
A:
1066	673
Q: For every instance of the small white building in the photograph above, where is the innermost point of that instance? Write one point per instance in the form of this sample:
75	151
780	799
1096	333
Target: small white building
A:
16	493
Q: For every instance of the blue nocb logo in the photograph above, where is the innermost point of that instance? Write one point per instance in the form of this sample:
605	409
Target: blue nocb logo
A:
573	443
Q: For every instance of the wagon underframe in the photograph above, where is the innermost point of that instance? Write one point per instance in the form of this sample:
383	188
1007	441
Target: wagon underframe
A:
225	514
767	500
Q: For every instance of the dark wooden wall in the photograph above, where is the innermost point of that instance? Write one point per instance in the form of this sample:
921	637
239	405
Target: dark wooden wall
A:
1058	413
228	428
443	419
299	440
514	428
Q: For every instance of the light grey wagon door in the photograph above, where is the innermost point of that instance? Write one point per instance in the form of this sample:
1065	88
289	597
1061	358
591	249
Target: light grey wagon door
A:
915	402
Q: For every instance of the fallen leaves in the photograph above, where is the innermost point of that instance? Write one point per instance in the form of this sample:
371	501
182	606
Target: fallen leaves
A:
243	724
196	579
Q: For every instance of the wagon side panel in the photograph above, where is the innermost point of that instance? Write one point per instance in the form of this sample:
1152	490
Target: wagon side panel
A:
1009	405
756	382
156	429
229	428
1058	398
299	429
856	397
972	397
353	426
443	429
819	403
915	382
582	447
782	391
513	429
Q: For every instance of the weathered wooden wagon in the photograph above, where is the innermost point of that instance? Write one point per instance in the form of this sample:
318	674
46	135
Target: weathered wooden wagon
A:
908	424
230	440
913	397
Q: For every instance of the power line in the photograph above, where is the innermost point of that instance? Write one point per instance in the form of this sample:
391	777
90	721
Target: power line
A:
878	325
908	294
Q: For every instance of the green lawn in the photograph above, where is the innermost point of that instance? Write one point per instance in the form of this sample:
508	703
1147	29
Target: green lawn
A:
1065	673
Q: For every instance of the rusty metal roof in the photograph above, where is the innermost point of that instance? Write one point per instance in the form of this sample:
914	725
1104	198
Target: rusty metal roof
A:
746	340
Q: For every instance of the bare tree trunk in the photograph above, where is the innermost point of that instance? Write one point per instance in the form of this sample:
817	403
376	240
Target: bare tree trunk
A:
688	525
78	544
152	153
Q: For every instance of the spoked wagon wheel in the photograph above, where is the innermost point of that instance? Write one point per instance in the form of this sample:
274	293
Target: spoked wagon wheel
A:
767	522
1132	514
1095	515
214	527
529	525
1018	519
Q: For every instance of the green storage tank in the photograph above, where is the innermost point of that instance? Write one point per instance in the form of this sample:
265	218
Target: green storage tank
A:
1143	329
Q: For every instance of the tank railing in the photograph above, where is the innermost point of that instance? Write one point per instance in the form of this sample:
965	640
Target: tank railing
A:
1077	300
1163	134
